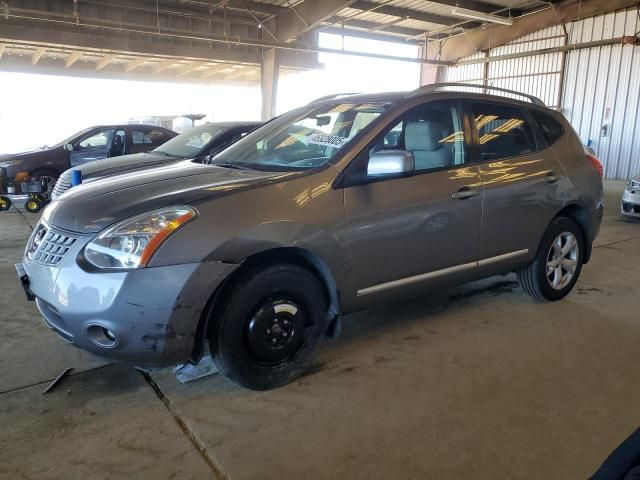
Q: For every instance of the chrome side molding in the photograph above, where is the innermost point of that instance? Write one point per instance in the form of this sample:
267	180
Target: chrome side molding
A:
438	273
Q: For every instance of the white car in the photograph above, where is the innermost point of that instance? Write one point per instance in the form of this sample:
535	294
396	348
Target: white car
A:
631	198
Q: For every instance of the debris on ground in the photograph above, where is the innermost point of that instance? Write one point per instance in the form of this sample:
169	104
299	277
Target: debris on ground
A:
188	371
57	380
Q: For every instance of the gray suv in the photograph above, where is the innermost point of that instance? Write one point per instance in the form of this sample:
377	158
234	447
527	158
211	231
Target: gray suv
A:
342	204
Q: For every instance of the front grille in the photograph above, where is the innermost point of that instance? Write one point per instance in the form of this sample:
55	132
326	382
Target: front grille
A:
62	185
631	208
48	246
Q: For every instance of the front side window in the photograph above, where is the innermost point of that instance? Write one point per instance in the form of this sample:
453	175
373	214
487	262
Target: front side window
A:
503	132
305	138
100	140
432	132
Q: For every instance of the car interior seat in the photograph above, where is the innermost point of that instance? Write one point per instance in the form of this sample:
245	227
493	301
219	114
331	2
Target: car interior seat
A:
117	148
423	139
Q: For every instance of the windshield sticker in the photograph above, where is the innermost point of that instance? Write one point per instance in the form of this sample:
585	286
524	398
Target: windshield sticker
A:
195	142
327	140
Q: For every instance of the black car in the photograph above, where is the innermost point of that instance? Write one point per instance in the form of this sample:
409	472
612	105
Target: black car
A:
94	143
197	143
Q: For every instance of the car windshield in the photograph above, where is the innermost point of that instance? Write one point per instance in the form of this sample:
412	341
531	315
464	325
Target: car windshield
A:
192	143
305	138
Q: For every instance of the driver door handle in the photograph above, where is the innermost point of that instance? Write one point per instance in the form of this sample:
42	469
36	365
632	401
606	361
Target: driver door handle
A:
464	193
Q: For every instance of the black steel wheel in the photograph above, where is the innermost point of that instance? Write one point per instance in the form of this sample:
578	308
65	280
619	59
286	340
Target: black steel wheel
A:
5	203
270	324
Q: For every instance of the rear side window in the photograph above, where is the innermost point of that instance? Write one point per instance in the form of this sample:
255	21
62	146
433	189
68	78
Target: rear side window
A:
551	129
503	132
148	137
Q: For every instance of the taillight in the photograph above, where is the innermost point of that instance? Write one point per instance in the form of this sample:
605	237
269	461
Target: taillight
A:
596	163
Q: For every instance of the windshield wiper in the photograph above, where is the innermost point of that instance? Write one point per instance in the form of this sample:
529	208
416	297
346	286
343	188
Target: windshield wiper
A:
230	165
161	153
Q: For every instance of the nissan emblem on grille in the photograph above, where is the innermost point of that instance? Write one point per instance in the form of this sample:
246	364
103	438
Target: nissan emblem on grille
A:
36	240
47	246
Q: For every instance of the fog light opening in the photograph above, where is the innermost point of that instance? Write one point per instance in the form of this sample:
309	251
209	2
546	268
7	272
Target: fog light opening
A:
102	336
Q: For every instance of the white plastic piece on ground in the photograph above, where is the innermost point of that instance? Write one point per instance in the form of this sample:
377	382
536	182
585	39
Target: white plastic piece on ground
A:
188	372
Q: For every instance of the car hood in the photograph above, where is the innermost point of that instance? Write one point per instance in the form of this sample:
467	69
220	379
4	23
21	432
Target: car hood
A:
88	208
125	163
16	158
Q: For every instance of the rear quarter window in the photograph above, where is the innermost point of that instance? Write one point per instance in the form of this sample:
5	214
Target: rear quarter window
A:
550	128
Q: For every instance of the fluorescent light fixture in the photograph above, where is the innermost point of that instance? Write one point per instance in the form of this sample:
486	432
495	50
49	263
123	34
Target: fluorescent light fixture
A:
485	17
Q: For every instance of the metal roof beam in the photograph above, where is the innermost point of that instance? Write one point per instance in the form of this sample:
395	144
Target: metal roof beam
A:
406	13
306	16
373	26
72	58
476	40
37	55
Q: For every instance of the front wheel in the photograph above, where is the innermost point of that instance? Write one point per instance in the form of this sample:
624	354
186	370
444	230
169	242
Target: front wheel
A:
270	326
5	203
557	266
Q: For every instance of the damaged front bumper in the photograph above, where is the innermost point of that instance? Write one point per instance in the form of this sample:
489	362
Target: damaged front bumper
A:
146	317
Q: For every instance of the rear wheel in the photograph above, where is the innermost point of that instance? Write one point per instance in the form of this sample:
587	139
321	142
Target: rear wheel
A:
5	203
557	266
270	326
34	204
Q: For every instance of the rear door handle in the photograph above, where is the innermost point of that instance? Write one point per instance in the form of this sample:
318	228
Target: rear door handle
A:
552	178
464	193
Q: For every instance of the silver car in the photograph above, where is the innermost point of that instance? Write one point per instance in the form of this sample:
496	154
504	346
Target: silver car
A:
630	206
331	208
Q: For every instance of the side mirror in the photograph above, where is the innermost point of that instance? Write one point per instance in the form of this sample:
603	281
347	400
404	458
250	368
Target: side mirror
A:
394	163
68	147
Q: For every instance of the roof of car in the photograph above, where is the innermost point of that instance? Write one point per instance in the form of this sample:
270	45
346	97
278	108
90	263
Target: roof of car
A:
251	123
124	125
436	89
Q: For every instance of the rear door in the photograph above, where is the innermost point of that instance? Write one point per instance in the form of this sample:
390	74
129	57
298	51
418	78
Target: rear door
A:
409	233
522	183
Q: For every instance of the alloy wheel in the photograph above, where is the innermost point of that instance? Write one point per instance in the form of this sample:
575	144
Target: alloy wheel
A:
562	260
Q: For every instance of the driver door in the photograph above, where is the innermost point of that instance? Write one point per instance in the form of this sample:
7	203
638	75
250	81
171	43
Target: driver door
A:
419	230
94	146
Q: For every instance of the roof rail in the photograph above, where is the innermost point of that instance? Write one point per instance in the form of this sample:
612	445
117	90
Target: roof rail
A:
433	87
333	95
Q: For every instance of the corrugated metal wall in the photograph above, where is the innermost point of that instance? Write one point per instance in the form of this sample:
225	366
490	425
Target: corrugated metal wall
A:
601	94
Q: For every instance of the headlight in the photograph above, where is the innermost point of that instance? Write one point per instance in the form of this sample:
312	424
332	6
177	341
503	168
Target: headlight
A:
634	184
131	243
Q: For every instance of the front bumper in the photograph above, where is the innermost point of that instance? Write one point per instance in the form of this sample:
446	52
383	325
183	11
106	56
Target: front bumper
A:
146	317
630	204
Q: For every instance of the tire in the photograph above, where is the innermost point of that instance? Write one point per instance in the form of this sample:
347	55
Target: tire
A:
5	203
270	326
554	284
33	205
51	176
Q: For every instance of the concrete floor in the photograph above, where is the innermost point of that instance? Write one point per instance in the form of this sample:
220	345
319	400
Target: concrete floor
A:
475	382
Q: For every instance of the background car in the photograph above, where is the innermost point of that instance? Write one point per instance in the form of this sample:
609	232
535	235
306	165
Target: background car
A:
196	143
630	205
94	143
